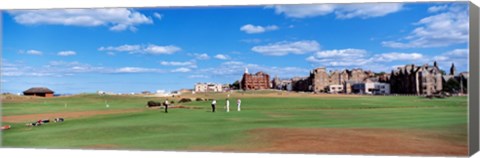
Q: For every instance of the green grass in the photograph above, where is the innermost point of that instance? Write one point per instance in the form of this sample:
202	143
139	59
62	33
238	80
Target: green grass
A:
186	129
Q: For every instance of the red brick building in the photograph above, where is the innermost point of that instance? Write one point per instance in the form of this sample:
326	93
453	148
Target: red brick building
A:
257	81
39	91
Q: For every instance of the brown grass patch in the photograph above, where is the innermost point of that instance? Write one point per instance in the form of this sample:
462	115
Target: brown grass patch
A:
348	141
66	115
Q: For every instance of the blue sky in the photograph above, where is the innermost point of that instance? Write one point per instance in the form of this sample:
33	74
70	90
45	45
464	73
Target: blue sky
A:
131	50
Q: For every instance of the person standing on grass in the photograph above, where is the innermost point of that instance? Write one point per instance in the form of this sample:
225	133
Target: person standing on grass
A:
213	105
166	105
214	102
238	104
228	105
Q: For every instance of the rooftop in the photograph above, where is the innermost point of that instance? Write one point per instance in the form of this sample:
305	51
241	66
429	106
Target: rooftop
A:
38	90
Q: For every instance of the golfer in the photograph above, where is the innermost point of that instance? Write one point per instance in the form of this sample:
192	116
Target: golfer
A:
213	105
166	105
228	105
238	104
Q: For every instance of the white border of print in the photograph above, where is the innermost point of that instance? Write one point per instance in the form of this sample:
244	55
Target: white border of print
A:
61	153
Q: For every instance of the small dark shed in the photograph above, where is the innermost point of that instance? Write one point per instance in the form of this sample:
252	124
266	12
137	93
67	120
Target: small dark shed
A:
39	91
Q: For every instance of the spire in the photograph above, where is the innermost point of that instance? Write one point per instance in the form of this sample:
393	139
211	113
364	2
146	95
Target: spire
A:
452	70
246	70
435	64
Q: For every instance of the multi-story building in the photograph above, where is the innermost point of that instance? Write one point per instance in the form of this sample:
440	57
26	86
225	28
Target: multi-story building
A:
338	77
285	84
302	84
320	80
335	88
208	87
257	81
419	80
370	87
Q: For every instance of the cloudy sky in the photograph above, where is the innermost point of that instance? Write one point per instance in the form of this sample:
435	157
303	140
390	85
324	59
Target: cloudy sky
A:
131	50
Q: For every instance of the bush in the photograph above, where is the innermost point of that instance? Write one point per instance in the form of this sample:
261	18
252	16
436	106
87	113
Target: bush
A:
185	100
153	103
200	99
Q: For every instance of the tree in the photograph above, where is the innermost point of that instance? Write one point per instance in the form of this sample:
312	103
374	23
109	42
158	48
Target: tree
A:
235	85
443	72
452	86
380	73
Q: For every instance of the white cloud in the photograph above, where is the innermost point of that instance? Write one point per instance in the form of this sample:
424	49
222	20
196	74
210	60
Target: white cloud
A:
304	11
122	48
367	10
453	55
440	30
182	69
198	76
31	52
252	29
135	70
285	48
158	16
341	53
176	63
342	11
386	57
155	49
116	19
62	68
235	69
339	57
222	57
457	56
458	53
354	58
253	40
142	49
190	64
66	53
438	8
202	56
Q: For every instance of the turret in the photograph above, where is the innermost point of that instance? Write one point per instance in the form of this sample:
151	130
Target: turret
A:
452	70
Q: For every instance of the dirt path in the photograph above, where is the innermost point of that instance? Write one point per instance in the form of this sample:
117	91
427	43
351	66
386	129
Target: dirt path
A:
348	141
66	115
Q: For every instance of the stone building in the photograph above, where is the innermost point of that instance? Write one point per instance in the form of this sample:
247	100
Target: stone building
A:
319	79
338	77
419	80
461	79
371	87
282	84
384	77
358	75
302	84
257	81
335	88
208	87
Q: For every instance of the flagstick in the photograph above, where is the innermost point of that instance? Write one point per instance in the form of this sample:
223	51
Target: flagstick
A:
106	104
